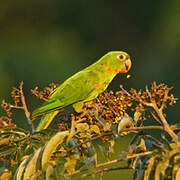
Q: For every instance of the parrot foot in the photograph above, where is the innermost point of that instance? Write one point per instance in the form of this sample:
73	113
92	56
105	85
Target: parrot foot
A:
89	103
78	106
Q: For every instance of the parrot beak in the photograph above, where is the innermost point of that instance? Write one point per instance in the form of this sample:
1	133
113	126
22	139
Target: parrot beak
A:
126	67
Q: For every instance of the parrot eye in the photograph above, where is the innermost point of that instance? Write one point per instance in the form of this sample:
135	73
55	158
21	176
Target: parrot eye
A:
121	57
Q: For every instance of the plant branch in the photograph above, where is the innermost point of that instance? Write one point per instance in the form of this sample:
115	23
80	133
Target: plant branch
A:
104	170
17	107
121	159
164	122
155	117
27	113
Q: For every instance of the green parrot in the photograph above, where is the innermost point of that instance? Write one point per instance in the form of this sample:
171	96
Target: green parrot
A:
83	86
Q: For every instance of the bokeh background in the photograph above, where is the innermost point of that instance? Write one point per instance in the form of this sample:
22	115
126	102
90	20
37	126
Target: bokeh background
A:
47	41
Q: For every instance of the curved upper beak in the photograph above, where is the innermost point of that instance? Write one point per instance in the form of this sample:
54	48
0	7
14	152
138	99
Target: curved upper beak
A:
126	67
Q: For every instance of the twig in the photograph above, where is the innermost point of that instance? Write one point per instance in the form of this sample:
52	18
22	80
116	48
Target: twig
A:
16	107
163	105
142	128
121	87
148	92
27	113
121	159
80	120
163	120
152	138
105	170
155	117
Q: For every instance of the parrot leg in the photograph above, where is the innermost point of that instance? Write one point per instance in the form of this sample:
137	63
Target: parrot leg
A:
79	105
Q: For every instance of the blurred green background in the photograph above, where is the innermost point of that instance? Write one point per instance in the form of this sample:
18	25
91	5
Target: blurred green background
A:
47	41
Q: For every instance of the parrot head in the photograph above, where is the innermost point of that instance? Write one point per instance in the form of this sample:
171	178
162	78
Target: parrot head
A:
120	60
127	65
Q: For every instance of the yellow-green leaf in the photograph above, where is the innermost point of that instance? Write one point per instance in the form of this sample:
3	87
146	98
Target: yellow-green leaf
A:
70	165
51	146
31	166
6	175
85	135
95	128
149	168
125	122
82	127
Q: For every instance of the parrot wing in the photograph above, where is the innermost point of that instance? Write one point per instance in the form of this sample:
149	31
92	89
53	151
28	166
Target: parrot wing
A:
76	88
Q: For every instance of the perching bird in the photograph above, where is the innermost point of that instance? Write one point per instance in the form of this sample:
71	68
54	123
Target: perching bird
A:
83	86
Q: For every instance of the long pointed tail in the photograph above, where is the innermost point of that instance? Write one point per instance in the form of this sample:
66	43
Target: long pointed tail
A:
46	120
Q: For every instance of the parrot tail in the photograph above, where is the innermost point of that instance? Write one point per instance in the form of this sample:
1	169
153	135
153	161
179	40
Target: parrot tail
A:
46	120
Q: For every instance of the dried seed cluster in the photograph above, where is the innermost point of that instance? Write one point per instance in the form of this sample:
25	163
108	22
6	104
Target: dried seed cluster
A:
108	105
7	107
6	122
158	94
45	93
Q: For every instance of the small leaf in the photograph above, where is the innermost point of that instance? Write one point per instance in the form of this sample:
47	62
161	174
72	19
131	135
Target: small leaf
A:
51	146
63	152
159	167
111	147
5	175
31	166
70	165
126	121
107	127
142	145
82	127
20	171
149	168
49	172
178	174
85	135
95	128
38	162
139	116
4	141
